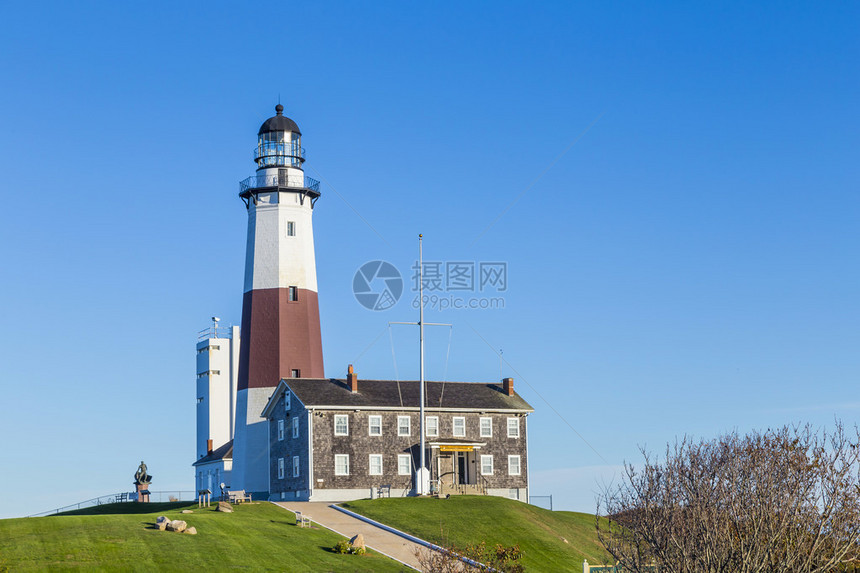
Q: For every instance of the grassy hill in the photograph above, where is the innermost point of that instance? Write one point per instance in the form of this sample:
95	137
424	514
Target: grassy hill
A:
550	540
122	537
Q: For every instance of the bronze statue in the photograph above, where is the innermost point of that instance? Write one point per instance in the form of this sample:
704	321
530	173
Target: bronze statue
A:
140	476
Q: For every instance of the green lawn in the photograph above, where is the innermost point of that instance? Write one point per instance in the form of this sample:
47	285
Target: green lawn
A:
465	520
122	537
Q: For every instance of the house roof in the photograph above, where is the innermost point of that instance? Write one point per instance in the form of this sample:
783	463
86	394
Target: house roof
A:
391	394
225	452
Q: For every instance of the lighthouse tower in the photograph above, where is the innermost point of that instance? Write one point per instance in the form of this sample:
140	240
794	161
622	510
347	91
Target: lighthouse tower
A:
280	330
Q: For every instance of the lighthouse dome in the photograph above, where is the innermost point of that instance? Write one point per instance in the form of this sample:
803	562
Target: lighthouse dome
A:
279	122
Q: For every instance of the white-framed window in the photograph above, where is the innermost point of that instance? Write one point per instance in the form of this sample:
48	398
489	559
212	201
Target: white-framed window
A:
280	430
295	466
295	427
291	228
432	426
514	465
514	493
487	465
486	427
280	468
374	425
459	427
513	427
404	464
341	425
375	464
295	372
341	464
404	426
287	400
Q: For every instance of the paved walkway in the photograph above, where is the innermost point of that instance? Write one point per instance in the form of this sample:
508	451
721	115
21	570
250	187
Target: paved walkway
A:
377	539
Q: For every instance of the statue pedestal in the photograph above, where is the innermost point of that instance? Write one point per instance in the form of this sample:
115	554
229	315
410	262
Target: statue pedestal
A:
142	492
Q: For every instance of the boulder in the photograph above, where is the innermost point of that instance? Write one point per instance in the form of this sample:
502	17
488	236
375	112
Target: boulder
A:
186	511
225	507
191	531
177	525
162	522
357	541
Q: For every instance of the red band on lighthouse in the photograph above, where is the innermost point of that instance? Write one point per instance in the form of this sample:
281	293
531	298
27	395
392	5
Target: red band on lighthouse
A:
280	337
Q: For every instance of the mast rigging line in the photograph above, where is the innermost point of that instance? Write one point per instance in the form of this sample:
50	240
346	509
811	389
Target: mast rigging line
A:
547	402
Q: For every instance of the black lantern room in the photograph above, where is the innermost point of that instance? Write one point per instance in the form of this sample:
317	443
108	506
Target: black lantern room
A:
279	142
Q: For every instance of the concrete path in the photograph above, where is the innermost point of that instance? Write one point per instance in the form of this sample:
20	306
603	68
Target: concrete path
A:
379	540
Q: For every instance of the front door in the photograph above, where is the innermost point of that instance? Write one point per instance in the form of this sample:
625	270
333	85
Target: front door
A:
462	468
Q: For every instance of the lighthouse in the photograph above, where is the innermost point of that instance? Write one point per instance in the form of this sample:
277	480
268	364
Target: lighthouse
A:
280	331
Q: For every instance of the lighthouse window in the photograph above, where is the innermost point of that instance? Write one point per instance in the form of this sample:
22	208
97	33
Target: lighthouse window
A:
294	294
291	229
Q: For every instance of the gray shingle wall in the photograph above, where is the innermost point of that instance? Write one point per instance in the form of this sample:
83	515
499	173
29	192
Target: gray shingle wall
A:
359	444
287	448
500	446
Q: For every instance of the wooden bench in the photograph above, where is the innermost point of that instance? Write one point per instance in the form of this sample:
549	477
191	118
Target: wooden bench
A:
303	520
384	491
238	496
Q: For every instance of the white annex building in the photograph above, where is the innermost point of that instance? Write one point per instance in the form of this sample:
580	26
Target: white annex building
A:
217	376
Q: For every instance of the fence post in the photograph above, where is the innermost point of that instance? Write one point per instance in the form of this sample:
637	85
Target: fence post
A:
585	567
550	503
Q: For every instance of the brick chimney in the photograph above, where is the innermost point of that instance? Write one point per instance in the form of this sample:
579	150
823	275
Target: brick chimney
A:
508	386
351	379
208	446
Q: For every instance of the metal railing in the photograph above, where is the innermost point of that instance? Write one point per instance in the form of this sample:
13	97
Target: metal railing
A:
215	332
289	181
122	497
544	501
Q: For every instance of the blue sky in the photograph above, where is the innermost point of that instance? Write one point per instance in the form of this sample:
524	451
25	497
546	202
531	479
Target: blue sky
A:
677	185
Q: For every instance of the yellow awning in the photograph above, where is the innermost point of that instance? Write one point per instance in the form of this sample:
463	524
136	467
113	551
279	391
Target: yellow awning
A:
457	448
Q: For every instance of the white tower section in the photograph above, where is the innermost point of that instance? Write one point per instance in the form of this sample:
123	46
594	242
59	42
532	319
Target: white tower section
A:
217	382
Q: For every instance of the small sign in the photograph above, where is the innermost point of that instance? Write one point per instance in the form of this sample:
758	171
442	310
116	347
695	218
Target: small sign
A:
456	448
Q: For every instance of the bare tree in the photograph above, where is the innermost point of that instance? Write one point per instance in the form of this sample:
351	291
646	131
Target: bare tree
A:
785	500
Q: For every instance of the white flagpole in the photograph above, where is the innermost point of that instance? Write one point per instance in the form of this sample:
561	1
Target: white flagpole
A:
420	488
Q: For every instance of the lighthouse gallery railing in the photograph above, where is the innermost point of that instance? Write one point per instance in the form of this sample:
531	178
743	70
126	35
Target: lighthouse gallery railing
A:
284	180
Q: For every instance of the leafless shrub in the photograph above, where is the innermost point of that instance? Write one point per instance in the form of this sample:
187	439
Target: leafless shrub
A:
478	557
785	500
